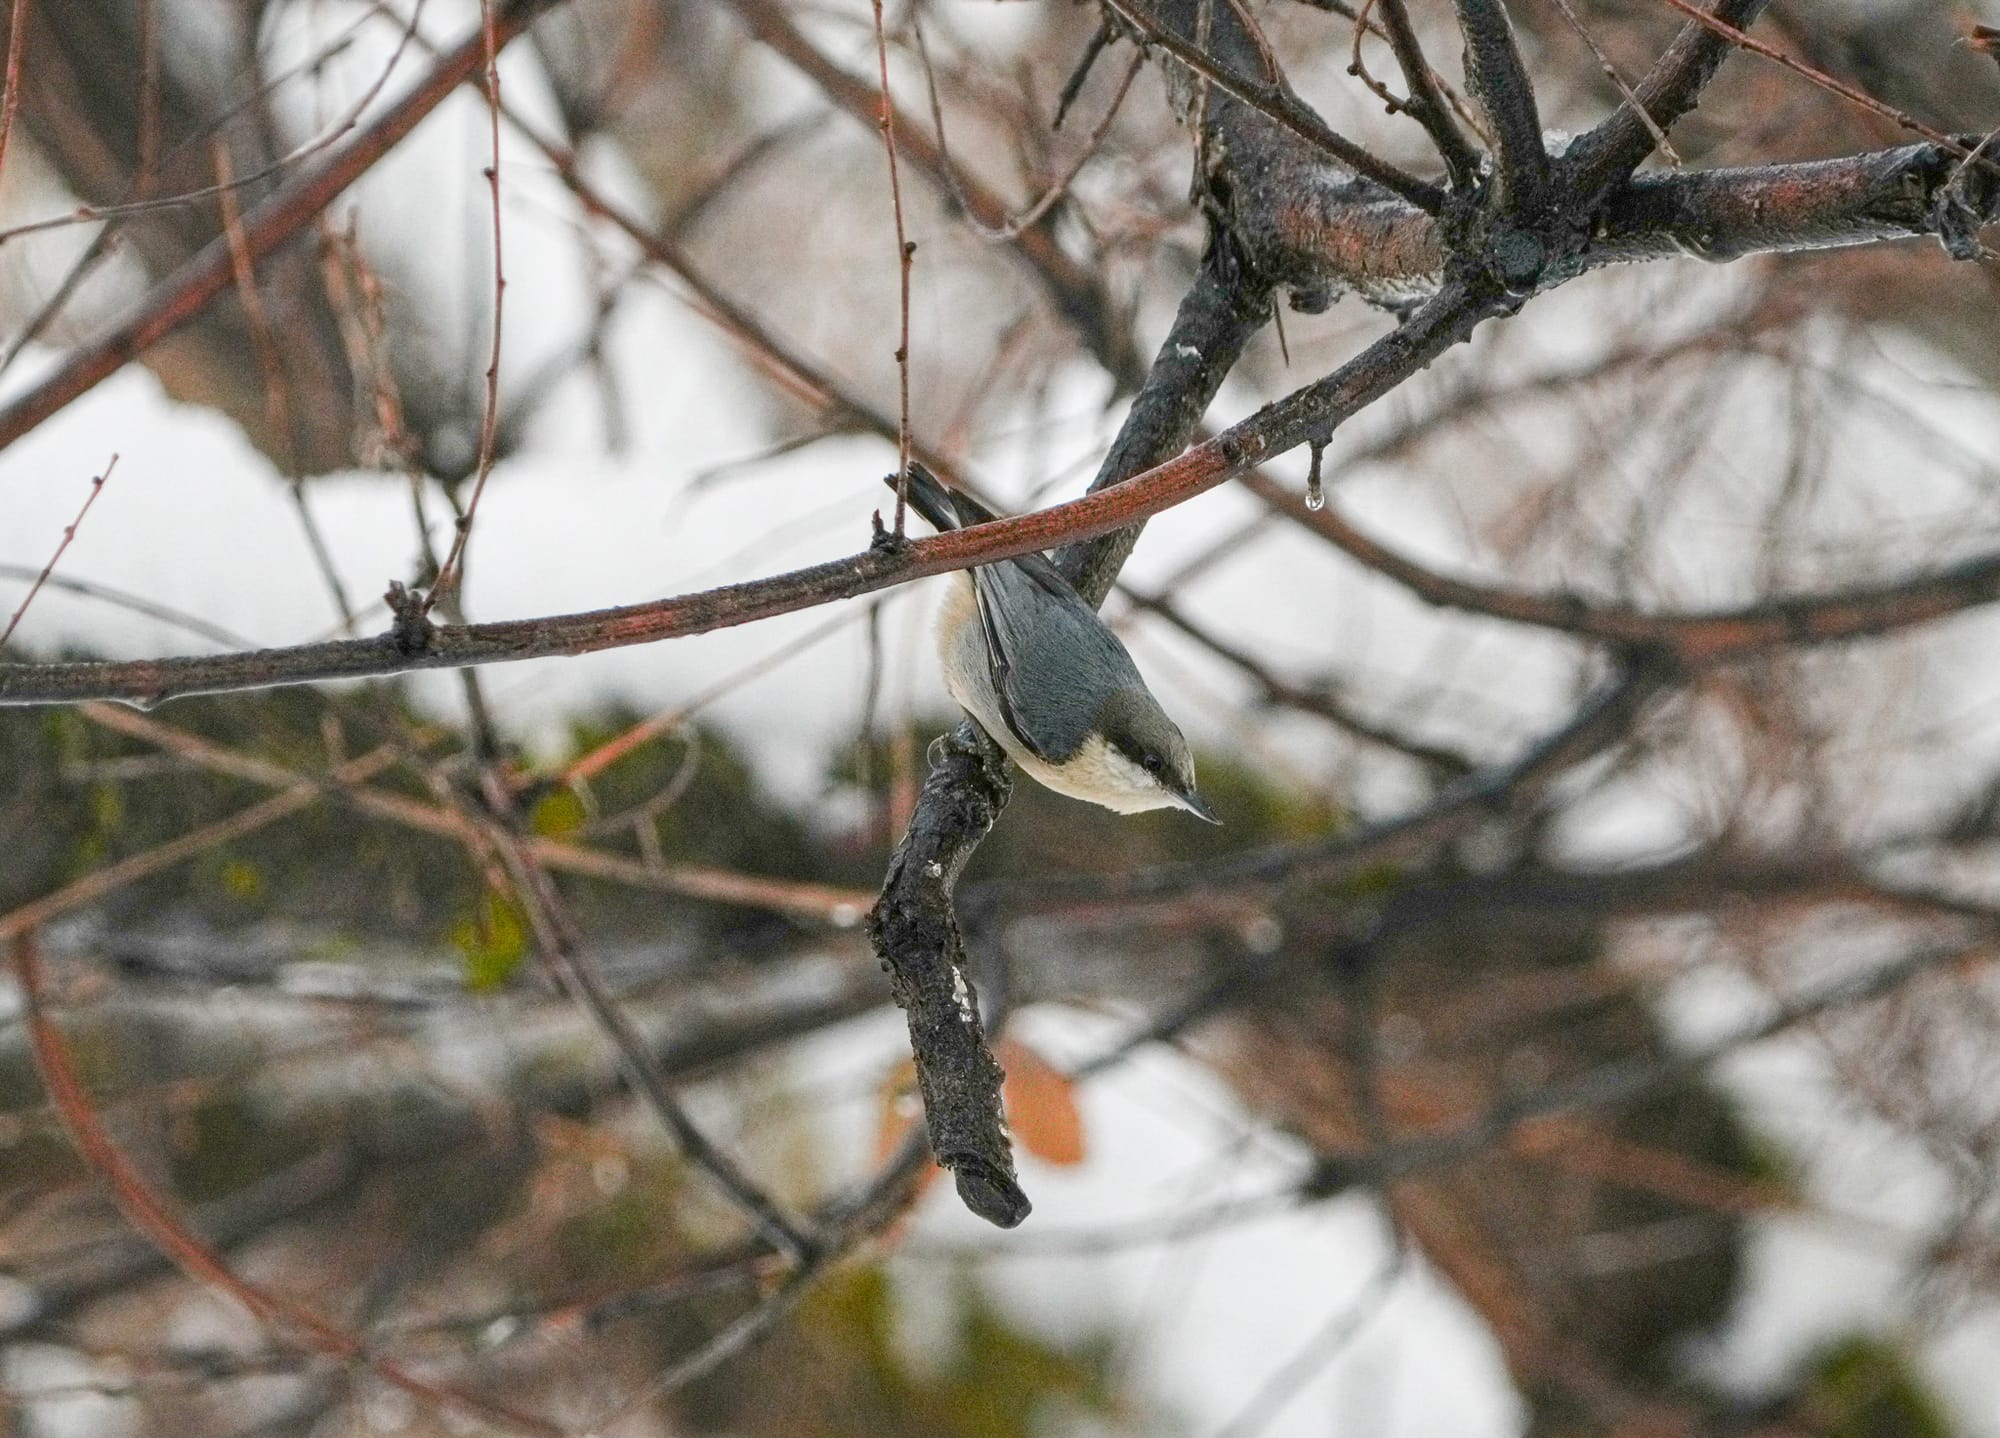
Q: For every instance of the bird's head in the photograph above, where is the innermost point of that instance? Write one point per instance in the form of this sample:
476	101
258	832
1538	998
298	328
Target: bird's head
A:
1146	761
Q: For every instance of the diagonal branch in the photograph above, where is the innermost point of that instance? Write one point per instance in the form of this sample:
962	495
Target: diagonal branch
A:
1499	82
1426	103
559	944
152	1213
1607	156
1077	289
1305	414
841	908
278	219
1270	98
1692	637
1621	1080
1600	721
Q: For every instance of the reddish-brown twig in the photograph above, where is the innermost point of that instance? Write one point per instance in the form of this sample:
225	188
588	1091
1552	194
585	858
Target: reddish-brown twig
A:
68	534
905	258
839	907
99	883
153	1214
1306	413
454	562
17	39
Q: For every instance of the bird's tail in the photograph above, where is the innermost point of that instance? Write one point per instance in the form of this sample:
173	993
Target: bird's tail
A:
944	508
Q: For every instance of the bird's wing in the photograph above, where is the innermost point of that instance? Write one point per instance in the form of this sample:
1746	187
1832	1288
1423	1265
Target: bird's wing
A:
1042	641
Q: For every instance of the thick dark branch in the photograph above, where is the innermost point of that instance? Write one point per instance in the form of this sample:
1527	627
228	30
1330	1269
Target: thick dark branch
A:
1499	82
914	928
1216	319
1319	237
914	924
278	219
1426	103
1600	160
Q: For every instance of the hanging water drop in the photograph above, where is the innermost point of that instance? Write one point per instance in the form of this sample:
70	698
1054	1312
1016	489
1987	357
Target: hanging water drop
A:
1315	490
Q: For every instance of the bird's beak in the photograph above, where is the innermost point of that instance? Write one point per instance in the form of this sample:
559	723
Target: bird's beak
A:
1197	806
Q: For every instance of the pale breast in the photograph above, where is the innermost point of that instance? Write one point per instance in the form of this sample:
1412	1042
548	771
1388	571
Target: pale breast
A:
1098	774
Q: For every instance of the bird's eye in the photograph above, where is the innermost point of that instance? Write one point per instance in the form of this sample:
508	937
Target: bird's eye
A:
1154	764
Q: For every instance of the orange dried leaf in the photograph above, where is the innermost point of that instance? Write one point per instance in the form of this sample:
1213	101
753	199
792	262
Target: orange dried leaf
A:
895	1098
1041	1105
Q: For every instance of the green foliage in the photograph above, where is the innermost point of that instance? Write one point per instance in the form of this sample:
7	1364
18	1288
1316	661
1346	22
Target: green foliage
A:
75	796
979	1374
493	939
558	814
1867	1387
226	1143
634	1231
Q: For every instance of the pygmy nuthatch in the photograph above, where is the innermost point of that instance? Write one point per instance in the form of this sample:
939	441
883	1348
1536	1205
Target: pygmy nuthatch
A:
1030	660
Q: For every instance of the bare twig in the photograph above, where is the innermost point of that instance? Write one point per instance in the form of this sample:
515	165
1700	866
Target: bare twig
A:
10	101
448	577
840	908
1077	289
68	534
1317	1353
1607	156
1272	100
905	258
1426	103
1611	73
1306	413
1692	637
136	603
1012	226
277	386
561	949
1621	1080
141	200
1717	25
